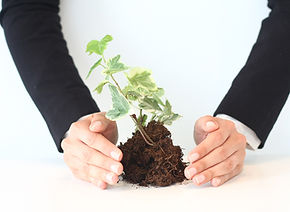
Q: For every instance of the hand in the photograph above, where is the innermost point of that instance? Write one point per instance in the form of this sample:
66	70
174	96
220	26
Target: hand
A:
90	151
219	154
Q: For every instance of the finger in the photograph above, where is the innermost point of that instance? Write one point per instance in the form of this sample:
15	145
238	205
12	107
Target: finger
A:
203	126
216	156
95	140
212	141
97	173
77	167
99	122
99	183
223	168
217	181
93	157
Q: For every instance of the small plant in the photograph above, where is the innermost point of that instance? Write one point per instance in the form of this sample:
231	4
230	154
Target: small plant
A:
141	92
160	162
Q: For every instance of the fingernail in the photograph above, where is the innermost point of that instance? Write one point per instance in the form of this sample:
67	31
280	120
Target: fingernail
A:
193	157
110	177
116	155
216	182
199	179
96	124
190	172
210	125
116	168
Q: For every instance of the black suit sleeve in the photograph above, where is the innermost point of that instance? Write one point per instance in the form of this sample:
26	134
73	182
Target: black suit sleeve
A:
33	33
260	90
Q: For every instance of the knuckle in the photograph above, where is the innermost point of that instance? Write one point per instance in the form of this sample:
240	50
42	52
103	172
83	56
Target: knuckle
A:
218	136
222	153
201	165
242	138
209	174
231	124
89	139
93	172
101	144
86	155
230	165
240	168
85	168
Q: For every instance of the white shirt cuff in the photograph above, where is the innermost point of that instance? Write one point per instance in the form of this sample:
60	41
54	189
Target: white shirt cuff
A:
253	141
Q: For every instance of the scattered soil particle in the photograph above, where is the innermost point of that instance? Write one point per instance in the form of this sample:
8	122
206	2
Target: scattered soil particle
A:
157	165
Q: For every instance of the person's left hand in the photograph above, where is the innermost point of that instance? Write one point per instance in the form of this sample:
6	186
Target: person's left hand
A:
219	154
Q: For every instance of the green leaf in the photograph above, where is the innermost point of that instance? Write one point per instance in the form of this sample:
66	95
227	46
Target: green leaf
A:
98	47
99	88
167	108
121	106
144	119
141	78
114	66
167	116
160	92
107	39
149	104
156	95
168	119
93	67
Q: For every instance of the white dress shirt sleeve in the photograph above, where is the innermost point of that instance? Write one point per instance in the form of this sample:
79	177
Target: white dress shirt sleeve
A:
252	139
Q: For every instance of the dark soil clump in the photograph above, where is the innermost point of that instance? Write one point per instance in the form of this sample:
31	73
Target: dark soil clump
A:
157	165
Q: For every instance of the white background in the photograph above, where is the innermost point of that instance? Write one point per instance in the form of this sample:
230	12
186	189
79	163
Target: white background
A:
195	49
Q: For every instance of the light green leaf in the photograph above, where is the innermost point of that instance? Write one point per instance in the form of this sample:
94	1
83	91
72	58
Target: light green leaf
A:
93	67
167	116
141	78
121	106
149	104
114	66
160	92
168	119
145	117
156	95
99	88
167	108
98	47
107	39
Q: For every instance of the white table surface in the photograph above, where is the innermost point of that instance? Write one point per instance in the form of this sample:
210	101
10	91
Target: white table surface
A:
47	185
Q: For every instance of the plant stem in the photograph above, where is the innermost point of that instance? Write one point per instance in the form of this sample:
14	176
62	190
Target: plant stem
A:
104	59
147	139
117	84
141	117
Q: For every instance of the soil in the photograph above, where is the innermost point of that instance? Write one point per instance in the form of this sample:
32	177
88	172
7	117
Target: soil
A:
157	165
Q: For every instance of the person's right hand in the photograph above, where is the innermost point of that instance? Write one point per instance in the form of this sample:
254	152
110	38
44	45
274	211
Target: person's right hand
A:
90	151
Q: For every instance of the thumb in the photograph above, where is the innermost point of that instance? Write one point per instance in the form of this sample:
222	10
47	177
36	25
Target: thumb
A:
203	127
99	123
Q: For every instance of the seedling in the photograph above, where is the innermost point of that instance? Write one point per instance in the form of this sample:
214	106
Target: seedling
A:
141	92
160	162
